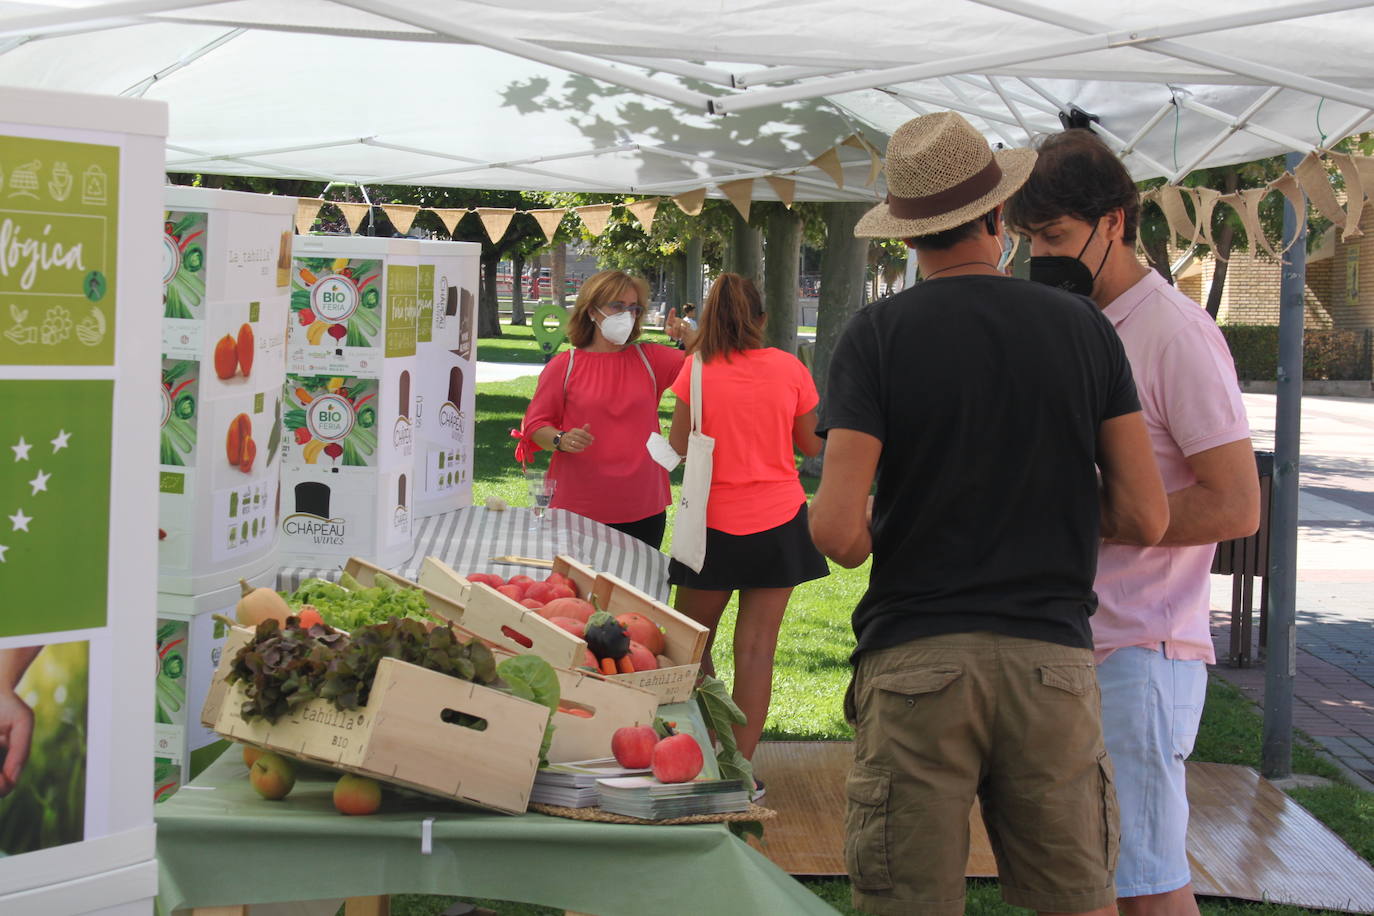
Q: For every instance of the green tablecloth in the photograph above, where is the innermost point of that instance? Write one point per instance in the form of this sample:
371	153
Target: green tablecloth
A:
219	844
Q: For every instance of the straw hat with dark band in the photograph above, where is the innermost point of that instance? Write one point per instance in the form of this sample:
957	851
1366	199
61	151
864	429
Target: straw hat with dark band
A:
941	173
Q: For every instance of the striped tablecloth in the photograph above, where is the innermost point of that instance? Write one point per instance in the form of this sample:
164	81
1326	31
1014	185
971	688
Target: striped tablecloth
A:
467	539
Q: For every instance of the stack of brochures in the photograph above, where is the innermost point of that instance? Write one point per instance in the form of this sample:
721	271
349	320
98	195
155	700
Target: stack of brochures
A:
573	785
646	798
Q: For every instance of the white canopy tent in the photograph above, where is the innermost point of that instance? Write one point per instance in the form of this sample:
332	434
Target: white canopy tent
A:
647	97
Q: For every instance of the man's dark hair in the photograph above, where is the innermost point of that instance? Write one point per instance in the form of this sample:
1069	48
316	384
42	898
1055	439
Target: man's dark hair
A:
1075	175
941	241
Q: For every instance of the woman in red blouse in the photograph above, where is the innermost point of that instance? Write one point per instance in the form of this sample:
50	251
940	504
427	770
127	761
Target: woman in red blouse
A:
759	404
596	404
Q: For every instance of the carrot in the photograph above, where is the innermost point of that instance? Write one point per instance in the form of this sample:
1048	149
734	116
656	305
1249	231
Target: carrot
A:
626	666
608	666
304	396
307	276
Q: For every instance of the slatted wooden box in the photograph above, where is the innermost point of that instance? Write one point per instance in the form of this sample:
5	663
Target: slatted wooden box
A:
401	735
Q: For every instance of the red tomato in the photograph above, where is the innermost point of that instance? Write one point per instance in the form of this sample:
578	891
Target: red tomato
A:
513	592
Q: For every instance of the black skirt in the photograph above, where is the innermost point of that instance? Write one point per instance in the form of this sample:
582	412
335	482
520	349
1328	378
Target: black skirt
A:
779	557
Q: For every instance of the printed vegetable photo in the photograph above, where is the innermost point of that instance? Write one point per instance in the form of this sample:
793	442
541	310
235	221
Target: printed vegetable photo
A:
183	262
361	277
359	445
178	426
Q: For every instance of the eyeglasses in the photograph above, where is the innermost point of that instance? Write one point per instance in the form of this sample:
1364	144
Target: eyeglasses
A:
620	308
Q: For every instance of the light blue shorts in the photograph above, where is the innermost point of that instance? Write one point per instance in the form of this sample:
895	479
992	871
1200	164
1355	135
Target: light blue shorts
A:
1151	706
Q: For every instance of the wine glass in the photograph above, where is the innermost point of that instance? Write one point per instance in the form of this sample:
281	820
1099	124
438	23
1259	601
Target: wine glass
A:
541	488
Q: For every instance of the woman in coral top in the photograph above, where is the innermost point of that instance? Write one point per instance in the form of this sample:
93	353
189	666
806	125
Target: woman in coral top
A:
759	404
595	406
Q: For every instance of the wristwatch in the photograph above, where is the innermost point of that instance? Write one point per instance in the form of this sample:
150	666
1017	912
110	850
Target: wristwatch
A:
557	438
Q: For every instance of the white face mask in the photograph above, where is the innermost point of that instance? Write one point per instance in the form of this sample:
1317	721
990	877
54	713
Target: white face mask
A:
617	328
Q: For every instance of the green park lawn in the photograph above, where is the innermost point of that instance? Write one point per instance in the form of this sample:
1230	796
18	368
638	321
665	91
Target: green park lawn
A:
812	670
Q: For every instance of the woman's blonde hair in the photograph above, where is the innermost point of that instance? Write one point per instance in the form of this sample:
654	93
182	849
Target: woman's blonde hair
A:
597	292
729	319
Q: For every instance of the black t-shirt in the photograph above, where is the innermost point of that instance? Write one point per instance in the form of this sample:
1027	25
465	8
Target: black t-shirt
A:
987	393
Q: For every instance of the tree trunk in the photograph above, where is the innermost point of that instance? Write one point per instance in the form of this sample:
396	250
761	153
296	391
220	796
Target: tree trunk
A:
1157	256
781	278
691	270
746	251
488	312
844	266
559	275
1222	251
517	288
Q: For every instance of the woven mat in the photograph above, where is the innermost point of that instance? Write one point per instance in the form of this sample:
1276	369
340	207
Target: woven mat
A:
753	813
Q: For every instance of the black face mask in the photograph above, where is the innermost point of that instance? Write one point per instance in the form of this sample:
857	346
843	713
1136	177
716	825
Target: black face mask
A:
1066	273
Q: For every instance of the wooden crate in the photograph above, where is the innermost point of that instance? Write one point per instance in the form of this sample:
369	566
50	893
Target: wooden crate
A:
401	737
612	705
685	639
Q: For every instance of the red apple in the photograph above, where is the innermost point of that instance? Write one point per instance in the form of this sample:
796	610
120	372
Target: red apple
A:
643	631
556	578
633	746
272	775
642	658
357	794
523	581
677	758
513	592
494	581
575	608
571	624
590	661
251	754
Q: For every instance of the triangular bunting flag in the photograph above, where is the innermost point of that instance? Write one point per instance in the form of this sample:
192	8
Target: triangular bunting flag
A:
450	218
740	193
1354	194
1312	178
595	218
785	188
644	210
1365	166
495	220
548	220
1204	202
1287	185
1246	203
353	213
691	202
875	162
1170	200
307	208
402	216
829	163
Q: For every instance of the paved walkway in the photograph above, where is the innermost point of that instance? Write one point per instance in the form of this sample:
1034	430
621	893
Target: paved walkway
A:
1333	698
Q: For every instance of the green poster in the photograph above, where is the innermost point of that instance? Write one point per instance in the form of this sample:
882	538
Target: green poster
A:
54	504
424	326
401	287
59	235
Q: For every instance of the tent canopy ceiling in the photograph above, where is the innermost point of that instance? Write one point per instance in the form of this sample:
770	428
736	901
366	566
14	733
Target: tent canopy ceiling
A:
645	97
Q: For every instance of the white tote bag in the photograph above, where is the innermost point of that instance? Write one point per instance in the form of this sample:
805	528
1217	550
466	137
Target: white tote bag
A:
689	530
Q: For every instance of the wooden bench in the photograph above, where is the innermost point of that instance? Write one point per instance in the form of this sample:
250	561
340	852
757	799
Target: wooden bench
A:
1245	559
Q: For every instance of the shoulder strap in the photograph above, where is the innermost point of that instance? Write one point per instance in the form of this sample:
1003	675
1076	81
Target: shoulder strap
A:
653	379
696	393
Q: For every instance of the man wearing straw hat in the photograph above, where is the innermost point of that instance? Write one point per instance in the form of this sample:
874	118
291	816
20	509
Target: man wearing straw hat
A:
1151	634
985	408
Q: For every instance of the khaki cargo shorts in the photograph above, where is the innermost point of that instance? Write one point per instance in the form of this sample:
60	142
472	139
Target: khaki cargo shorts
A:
1014	722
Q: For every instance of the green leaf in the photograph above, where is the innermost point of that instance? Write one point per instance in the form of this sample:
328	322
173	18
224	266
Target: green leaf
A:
532	678
719	711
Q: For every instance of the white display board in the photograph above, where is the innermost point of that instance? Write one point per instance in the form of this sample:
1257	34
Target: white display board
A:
226	260
348	438
446	398
80	211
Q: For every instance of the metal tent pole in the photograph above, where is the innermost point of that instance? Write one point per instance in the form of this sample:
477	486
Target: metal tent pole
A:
1280	665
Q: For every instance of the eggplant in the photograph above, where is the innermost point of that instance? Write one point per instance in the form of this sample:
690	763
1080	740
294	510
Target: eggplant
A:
606	637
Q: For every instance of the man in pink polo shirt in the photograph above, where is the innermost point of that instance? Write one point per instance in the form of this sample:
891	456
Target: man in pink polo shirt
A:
1080	209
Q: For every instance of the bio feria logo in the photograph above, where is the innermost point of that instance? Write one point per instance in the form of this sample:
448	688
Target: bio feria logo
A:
334	298
171	258
166	405
330	417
